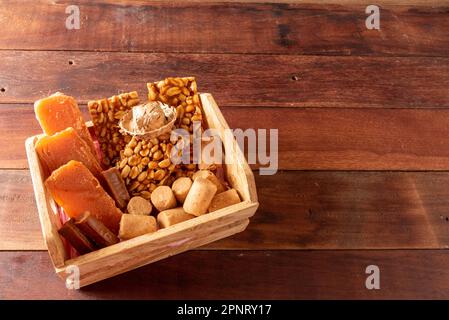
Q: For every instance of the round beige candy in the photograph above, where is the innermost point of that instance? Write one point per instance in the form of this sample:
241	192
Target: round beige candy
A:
163	198
211	177
139	205
200	196
181	188
224	199
133	225
170	217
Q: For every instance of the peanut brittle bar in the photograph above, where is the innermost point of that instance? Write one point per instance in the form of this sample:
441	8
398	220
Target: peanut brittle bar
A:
181	93
106	114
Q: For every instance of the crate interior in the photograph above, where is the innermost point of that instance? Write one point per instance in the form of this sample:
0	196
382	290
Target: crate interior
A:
234	173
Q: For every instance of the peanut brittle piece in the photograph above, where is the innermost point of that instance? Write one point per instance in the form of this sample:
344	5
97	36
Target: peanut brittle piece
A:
106	114
181	93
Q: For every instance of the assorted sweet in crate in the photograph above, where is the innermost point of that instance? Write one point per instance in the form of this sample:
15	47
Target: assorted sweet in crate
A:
121	182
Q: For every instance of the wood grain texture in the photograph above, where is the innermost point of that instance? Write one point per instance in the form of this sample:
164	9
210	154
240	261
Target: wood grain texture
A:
298	210
16	124
309	139
351	98
130	255
233	79
19	221
405	274
294	28
353	139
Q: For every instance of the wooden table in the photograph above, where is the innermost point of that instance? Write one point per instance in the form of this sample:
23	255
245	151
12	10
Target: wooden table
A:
363	119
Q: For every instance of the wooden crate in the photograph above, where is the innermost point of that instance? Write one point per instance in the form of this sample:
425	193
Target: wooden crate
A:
131	254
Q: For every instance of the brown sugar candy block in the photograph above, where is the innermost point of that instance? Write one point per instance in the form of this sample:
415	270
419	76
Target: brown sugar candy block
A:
105	114
95	230
58	112
200	196
132	225
170	217
224	199
139	205
163	198
211	177
63	146
181	188
74	188
116	186
76	238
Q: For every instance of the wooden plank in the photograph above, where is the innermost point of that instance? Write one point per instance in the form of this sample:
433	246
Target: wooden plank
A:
309	139
19	221
233	79
294	28
348	210
404	274
17	123
353	139
298	210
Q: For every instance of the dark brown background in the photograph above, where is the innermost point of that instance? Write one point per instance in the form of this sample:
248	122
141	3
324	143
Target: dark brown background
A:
363	118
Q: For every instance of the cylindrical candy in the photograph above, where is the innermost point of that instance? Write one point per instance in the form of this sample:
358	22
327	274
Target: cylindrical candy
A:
181	188
170	217
163	198
211	177
224	199
200	196
139	205
133	225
